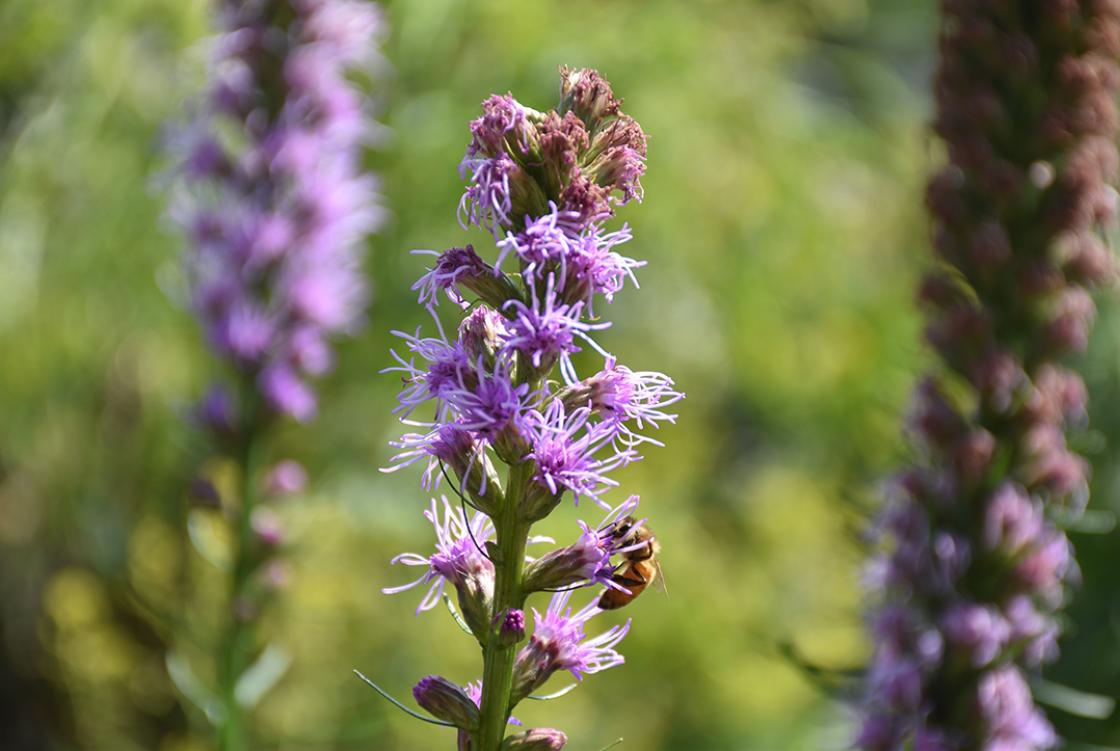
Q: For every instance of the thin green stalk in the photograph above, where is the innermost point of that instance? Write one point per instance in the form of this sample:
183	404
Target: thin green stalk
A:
237	643
497	674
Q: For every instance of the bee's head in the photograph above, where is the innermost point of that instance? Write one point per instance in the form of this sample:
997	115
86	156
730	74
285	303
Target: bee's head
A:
623	527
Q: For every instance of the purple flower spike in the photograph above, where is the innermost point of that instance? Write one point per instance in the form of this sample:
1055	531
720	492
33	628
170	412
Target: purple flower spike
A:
505	390
278	221
971	570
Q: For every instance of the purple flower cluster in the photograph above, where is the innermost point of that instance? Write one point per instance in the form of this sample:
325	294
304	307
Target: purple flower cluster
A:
272	195
544	184
973	568
585	157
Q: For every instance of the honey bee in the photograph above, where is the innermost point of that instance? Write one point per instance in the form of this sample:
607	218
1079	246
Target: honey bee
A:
639	568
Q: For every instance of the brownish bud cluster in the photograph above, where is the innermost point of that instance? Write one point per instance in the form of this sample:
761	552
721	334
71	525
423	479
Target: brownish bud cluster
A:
1026	105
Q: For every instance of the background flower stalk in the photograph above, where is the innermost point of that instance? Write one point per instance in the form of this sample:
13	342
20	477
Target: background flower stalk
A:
974	565
276	206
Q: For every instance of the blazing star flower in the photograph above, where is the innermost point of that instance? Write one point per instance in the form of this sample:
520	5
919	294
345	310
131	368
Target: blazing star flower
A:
545	332
278	220
622	395
566	448
452	267
596	268
493	405
505	390
587	561
544	245
503	123
487	202
560	642
459	558
448	368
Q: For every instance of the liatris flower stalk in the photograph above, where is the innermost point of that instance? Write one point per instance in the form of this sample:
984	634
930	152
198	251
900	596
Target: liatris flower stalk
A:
975	568
276	206
503	389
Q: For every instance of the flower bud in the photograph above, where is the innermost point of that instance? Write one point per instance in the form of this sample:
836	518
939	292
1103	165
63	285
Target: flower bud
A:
587	559
563	140
511	627
446	701
537	739
473	468
481	334
538	502
979	631
584	198
587	94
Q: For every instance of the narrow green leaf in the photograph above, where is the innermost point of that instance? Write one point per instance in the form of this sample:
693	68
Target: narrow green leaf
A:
400	706
209	539
189	685
1092	522
458	618
562	692
259	678
1078	703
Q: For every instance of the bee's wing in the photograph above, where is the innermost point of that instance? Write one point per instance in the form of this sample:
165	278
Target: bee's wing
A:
659	582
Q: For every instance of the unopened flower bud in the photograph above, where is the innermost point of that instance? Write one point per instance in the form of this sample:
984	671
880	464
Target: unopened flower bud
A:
538	502
587	94
286	478
563	140
511	627
481	334
476	475
537	739
446	701
584	198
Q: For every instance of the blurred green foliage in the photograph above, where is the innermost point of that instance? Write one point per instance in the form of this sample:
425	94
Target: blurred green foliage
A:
783	229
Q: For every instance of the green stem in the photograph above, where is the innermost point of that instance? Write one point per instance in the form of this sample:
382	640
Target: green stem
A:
497	674
237	644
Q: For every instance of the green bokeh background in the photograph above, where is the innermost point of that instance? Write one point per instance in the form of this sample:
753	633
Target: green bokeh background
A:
784	233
